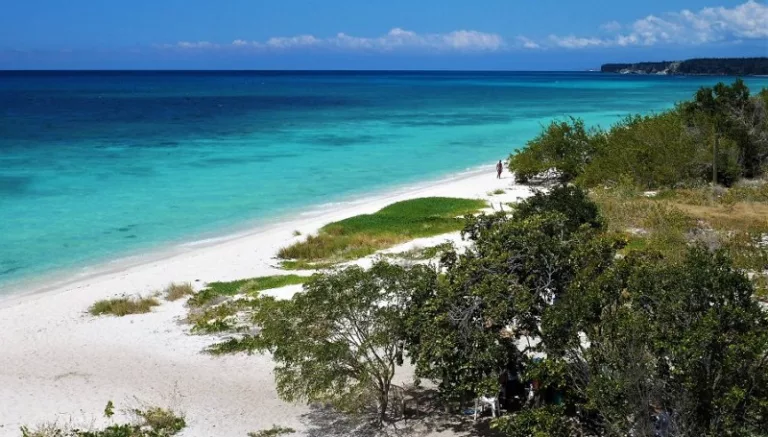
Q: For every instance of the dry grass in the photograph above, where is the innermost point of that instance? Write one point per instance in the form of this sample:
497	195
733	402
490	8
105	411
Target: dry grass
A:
176	291
45	430
742	216
123	306
734	219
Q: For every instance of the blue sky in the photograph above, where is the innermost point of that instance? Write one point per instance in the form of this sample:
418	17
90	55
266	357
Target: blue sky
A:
356	34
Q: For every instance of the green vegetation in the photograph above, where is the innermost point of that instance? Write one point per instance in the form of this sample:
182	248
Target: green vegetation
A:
736	220
423	253
363	235
617	345
123	306
710	66
177	291
496	192
275	431
305	265
611	312
215	290
723	127
614	344
338	342
150	422
234	345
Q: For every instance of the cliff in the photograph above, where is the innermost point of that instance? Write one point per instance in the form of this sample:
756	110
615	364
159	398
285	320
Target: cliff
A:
702	66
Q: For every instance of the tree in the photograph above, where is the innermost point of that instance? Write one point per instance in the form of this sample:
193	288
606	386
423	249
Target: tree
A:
339	340
735	116
649	338
571	201
564	146
484	316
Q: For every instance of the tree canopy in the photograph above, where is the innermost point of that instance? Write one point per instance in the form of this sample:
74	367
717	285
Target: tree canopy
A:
723	126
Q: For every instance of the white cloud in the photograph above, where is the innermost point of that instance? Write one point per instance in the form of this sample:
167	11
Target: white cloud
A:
395	39
293	41
746	21
708	25
527	43
573	42
611	26
472	40
196	45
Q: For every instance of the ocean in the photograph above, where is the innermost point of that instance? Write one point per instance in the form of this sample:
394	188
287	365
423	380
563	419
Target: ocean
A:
95	166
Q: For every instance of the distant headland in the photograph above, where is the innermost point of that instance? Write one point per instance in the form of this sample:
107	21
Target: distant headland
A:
699	66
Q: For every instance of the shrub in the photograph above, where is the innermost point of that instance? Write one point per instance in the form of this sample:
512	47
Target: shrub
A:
572	202
151	422
565	146
275	431
123	306
235	345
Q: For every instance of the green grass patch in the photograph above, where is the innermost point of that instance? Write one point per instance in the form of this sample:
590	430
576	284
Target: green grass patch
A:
363	235
495	192
635	243
123	306
176	291
243	286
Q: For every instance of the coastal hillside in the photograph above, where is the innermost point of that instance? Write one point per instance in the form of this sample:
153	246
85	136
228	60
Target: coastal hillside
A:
700	66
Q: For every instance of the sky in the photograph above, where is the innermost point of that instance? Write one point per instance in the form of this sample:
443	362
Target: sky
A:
374	34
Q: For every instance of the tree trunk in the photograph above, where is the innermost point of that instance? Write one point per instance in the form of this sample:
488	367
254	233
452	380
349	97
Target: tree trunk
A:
383	403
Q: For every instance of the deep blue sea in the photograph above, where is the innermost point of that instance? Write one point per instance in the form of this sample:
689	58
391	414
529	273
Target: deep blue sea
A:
98	165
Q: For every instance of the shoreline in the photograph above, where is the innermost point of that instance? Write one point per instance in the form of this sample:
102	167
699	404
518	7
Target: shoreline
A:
70	276
61	364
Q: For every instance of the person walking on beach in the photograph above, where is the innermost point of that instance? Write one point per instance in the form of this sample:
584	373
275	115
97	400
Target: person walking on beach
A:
499	169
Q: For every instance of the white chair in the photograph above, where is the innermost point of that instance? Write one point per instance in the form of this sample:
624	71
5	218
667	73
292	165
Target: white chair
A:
484	401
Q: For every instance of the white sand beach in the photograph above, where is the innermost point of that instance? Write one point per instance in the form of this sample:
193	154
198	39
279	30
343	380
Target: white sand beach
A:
58	363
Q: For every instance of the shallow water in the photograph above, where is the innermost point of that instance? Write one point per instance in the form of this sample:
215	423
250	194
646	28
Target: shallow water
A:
98	165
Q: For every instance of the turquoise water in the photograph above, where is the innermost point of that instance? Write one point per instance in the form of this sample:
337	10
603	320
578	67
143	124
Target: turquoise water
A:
97	165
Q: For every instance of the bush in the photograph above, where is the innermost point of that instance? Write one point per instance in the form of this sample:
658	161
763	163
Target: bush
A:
546	421
176	291
565	146
150	422
671	149
275	431
123	306
572	202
